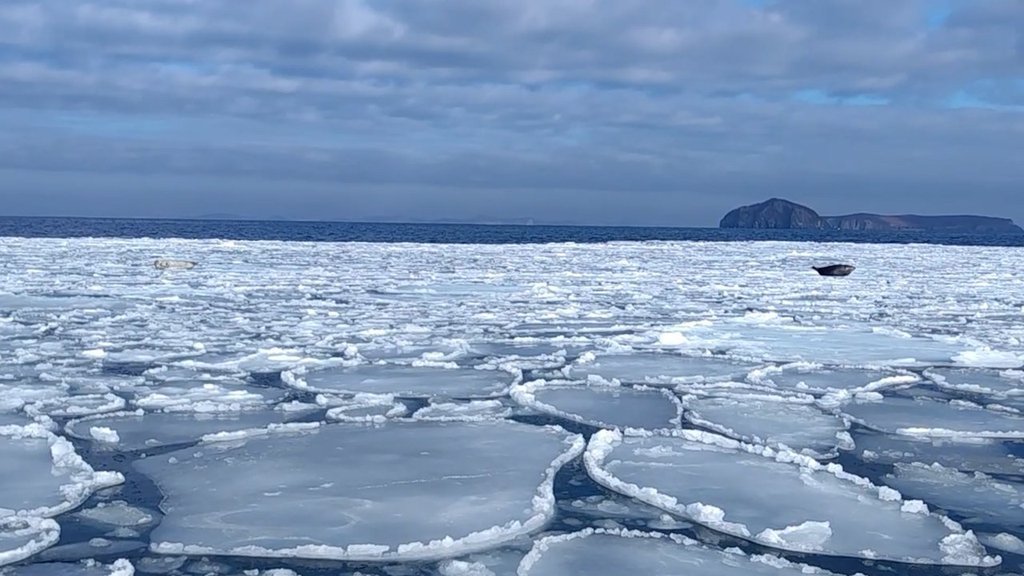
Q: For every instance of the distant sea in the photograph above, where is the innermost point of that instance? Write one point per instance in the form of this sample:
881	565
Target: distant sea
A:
456	233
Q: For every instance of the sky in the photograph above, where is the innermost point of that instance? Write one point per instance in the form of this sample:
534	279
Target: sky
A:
604	112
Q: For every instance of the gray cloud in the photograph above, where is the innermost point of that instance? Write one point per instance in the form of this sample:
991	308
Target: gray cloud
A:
628	111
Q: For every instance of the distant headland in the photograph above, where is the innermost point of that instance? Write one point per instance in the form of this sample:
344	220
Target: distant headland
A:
779	213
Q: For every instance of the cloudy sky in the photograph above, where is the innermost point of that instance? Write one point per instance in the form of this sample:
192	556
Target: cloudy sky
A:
659	112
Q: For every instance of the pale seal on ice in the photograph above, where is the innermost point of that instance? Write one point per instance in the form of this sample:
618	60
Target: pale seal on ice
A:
164	264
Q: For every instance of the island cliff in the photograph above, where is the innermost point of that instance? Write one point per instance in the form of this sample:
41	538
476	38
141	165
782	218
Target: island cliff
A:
779	213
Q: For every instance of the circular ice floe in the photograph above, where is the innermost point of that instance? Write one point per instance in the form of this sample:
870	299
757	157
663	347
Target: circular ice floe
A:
656	368
77	406
22	537
778	499
965	454
774	421
1008	383
139	430
934	418
406	381
618	552
406	490
42	475
602	405
206	398
809	378
976	496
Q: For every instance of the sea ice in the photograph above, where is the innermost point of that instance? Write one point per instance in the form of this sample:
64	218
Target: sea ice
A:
405	381
809	378
965	454
76	406
618	552
934	418
141	431
602	405
775	421
23	536
976	496
42	476
464	411
406	490
777	499
1003	384
87	568
665	368
118	514
206	398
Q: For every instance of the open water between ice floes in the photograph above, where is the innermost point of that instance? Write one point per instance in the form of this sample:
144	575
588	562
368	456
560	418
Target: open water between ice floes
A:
428	409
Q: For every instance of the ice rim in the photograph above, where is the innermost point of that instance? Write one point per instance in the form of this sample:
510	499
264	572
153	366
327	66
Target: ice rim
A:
36	525
525	395
960	547
543	511
83	480
541	546
42	533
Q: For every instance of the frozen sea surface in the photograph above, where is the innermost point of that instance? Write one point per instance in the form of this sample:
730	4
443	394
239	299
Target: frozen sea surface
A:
315	409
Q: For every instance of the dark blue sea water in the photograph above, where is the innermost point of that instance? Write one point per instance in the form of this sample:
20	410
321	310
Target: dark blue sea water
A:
455	233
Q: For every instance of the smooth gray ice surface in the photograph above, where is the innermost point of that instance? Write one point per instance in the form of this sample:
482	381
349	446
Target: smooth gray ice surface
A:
406	490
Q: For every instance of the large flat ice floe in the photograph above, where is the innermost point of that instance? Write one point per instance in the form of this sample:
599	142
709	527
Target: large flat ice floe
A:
778	499
656	368
139	430
776	421
602	405
618	552
934	418
407	381
975	496
406	490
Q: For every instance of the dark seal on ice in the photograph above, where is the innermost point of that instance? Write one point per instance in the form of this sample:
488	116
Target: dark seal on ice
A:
834	270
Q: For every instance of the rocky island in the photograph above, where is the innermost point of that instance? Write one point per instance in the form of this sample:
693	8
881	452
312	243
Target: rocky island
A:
779	213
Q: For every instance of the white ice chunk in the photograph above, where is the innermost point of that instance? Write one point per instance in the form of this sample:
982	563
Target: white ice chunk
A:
407	381
602	405
22	537
935	418
618	552
207	398
774	421
405	490
975	496
779	499
367	409
121	567
76	406
118	513
657	369
1003	541
464	411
